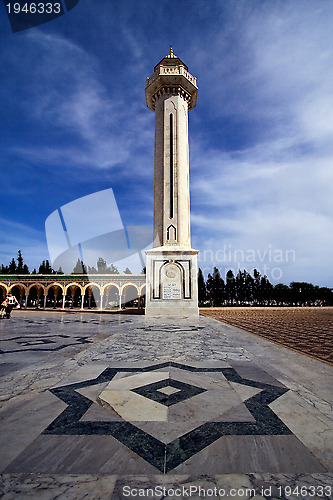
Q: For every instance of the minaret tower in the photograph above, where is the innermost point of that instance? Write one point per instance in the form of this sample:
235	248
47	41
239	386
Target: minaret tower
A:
171	92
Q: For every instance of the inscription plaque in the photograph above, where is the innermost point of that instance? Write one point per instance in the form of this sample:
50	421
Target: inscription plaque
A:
171	291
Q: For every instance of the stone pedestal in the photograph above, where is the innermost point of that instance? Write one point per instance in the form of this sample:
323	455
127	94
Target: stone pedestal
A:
172	282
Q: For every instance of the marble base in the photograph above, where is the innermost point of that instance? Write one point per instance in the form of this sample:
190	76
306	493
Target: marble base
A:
253	421
171	278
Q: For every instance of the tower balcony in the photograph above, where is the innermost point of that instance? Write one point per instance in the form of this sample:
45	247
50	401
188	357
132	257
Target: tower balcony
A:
171	73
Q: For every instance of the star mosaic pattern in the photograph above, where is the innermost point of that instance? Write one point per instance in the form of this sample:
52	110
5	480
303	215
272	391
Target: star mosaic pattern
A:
31	343
171	397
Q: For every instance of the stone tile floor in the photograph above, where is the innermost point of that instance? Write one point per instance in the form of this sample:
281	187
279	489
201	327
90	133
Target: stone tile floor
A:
106	406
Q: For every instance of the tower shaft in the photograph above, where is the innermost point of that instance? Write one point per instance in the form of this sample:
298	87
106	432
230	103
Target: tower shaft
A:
171	171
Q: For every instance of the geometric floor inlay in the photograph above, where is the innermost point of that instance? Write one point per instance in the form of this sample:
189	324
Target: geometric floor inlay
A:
168	412
33	343
169	392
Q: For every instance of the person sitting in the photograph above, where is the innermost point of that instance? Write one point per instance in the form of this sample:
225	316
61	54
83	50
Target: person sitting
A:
11	302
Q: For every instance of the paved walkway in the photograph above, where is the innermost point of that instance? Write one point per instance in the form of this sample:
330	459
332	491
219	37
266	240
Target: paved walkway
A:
115	406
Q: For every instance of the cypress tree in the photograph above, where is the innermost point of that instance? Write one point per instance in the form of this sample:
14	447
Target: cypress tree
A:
12	267
202	291
230	287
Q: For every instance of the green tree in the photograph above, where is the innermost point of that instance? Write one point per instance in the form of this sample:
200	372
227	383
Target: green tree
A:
219	287
12	267
21	267
215	288
4	269
48	268
202	291
266	291
256	285
20	264
92	270
281	294
127	271
45	268
244	287
230	287
210	289
144	270
325	296
249	283
79	268
302	292
240	287
112	269
41	268
25	269
101	266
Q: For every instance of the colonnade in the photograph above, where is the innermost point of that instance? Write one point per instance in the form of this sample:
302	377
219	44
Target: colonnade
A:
80	295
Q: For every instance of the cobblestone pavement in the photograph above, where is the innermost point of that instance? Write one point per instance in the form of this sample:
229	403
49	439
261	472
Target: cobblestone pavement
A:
99	406
308	330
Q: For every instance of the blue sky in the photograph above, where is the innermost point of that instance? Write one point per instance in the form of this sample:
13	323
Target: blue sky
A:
74	121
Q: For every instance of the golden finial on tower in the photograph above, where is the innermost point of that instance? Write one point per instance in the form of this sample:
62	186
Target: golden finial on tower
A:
171	55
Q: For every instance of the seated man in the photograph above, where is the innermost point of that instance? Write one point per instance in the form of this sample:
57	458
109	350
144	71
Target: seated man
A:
11	302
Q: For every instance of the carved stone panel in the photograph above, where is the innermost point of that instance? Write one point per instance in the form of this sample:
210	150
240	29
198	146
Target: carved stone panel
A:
171	281
171	291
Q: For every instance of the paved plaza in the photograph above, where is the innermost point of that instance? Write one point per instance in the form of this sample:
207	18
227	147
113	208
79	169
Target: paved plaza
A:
101	406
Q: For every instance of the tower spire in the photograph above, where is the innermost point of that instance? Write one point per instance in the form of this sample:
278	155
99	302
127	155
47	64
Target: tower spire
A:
171	55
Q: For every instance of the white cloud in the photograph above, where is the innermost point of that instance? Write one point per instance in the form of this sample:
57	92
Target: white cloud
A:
275	193
251	204
70	99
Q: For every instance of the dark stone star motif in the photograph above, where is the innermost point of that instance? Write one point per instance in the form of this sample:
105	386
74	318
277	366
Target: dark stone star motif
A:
53	343
152	391
165	457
